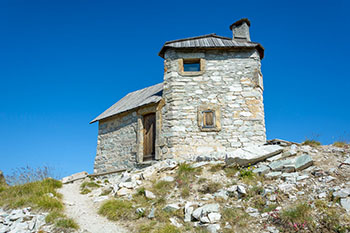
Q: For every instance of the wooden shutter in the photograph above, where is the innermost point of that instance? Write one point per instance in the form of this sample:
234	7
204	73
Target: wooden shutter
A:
208	118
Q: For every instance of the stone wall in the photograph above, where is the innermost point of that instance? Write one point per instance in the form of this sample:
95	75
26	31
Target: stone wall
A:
232	81
116	143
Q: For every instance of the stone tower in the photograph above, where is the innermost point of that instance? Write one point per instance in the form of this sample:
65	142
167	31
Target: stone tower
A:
213	94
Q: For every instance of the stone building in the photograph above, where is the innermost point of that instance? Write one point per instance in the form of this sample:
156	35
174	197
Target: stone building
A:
210	103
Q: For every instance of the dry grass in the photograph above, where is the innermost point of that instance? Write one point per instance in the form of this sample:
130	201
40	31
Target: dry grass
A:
235	217
341	144
210	187
34	194
30	191
312	143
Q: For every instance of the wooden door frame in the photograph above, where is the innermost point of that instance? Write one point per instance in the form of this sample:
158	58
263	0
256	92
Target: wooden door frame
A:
153	108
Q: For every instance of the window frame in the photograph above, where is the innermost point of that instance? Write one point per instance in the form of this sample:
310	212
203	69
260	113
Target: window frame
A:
183	61
202	109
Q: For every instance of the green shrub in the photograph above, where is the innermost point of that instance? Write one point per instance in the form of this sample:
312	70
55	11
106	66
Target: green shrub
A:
117	210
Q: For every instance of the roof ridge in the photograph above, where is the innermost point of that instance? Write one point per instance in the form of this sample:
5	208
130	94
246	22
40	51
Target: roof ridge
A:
197	37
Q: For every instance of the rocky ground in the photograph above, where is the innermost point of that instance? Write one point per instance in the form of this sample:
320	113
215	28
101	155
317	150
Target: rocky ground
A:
288	187
285	187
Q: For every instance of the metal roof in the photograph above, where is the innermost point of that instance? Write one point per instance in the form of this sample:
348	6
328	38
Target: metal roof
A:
210	41
148	95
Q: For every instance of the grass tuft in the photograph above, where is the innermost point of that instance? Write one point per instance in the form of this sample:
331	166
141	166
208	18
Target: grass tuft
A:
117	210
66	223
340	144
312	142
211	187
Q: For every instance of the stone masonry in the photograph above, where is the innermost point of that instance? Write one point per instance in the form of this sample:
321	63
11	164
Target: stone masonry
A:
232	81
116	143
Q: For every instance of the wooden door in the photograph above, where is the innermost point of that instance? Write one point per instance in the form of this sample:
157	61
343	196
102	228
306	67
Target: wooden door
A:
149	136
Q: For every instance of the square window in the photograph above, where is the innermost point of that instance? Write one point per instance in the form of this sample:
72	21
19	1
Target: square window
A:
192	66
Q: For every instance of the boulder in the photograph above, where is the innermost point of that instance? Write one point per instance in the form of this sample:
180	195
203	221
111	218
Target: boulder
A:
280	164
252	154
74	177
204	210
342	193
302	162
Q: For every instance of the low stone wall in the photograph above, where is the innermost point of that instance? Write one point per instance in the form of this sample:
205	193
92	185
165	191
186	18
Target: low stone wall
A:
116	143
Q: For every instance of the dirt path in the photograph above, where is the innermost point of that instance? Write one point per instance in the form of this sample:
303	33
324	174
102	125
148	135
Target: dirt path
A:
84	212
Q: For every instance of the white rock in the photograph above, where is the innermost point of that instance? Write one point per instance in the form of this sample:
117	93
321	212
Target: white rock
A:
345	203
213	228
252	154
342	193
174	222
168	179
149	194
124	191
188	213
128	185
241	190
100	199
74	177
214	217
286	188
171	207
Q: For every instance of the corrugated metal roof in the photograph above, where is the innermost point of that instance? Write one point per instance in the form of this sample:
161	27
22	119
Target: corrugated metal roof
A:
210	41
152	94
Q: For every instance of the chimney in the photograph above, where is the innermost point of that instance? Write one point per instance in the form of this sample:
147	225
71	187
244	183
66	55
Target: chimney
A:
240	30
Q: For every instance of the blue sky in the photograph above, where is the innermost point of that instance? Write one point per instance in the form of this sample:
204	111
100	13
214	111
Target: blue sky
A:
64	62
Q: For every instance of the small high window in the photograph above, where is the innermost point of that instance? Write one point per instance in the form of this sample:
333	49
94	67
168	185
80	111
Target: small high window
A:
192	65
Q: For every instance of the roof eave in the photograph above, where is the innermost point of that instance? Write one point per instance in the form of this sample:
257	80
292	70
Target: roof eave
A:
103	118
258	47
